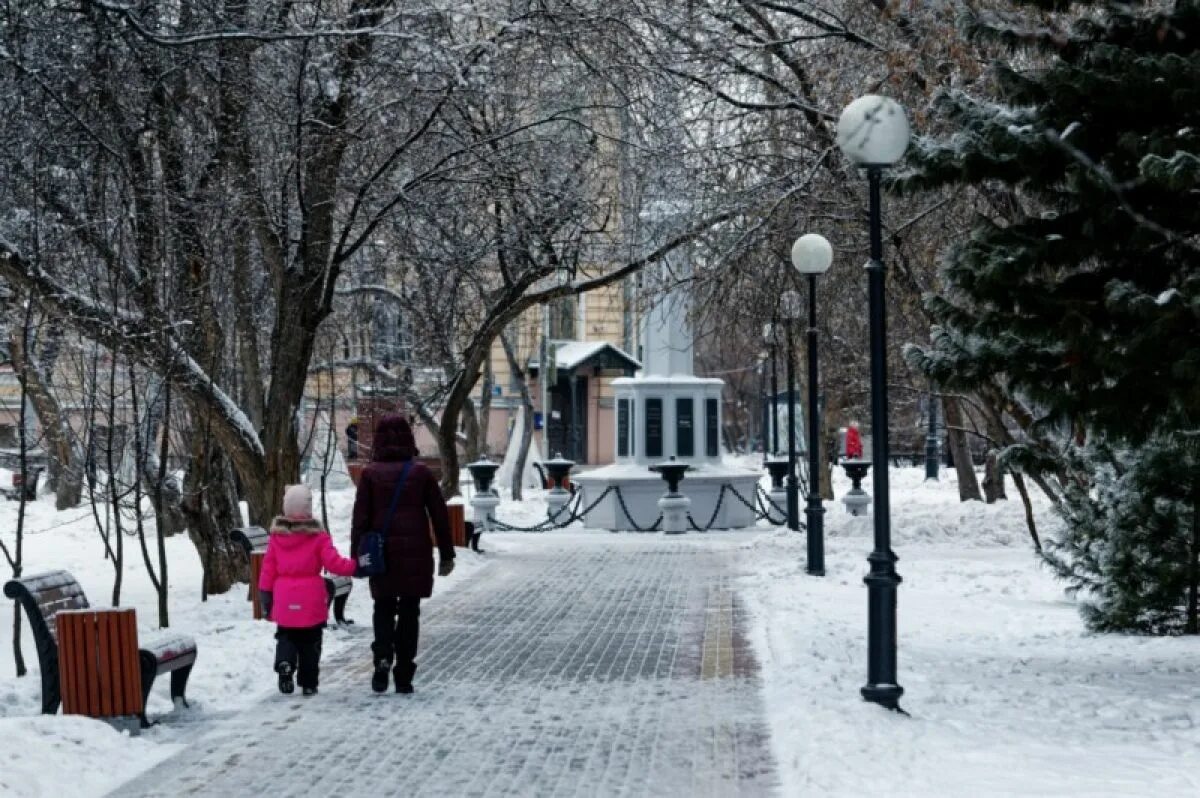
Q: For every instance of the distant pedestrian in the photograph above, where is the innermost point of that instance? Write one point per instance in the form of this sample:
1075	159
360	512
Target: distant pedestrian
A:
854	449
394	479
352	439
292	590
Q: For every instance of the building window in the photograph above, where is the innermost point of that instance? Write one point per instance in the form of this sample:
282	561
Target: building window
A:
712	428
563	314
685	435
623	424
654	427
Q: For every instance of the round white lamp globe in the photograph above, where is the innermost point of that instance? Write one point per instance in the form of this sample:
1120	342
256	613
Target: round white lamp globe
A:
812	254
873	131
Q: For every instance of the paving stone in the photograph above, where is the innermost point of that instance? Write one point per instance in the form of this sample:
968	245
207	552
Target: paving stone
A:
577	670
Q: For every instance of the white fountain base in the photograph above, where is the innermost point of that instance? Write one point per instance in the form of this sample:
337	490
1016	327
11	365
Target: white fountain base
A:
641	490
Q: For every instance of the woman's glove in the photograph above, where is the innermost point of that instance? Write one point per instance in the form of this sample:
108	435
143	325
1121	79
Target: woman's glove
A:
445	566
265	600
364	562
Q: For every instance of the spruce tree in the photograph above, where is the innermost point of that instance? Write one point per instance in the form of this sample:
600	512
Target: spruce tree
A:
1086	300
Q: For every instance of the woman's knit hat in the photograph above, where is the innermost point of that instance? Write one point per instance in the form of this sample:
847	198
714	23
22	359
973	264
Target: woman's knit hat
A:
297	502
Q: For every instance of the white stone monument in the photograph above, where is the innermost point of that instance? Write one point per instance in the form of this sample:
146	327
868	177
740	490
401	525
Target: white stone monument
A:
667	412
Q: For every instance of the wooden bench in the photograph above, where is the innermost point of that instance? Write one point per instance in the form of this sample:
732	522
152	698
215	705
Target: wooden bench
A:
21	485
45	595
337	588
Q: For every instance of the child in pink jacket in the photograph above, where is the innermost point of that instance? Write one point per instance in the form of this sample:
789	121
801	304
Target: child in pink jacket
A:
292	589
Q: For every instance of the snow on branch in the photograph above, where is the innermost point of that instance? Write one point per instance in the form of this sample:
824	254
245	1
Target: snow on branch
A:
376	289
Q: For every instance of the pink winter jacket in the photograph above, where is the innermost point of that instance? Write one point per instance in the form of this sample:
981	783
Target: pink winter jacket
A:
296	553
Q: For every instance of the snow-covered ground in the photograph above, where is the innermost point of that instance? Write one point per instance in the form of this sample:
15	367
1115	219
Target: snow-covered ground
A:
1007	692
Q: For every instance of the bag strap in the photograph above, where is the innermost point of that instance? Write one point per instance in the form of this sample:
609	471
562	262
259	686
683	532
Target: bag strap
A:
396	496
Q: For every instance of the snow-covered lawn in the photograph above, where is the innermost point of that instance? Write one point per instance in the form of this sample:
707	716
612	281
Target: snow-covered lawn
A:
1008	694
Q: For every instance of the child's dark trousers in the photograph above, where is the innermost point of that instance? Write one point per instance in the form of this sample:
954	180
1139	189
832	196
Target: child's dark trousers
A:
302	649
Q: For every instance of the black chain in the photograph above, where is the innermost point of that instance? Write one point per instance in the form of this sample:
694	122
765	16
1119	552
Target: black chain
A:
716	510
551	522
760	512
624	509
766	502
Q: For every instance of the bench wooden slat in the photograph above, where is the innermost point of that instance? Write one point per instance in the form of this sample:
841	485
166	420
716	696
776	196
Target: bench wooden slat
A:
132	676
95	647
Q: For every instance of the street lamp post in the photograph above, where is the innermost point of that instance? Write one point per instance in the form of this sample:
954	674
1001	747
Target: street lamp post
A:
931	440
769	337
789	302
873	133
812	255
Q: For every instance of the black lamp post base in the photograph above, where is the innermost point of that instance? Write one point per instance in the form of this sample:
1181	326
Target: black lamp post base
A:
815	515
886	695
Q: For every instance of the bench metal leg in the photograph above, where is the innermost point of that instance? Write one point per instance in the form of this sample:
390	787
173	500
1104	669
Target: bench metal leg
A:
149	672
179	678
339	609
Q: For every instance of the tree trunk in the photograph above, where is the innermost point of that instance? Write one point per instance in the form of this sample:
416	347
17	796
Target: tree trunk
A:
956	440
485	409
211	507
993	478
993	472
519	376
164	491
1193	599
65	456
1019	481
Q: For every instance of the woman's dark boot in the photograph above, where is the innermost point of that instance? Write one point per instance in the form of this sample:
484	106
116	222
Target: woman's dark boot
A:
404	676
379	679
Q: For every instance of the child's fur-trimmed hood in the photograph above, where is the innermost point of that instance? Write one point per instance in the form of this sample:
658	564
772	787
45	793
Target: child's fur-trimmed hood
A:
282	525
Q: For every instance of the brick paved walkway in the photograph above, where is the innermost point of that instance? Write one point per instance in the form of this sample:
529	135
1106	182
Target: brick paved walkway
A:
573	668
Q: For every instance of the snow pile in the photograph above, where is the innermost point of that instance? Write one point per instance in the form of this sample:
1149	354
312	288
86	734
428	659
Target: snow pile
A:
70	755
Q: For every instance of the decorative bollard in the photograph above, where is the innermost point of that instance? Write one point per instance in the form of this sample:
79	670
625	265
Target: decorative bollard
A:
674	505
857	501
778	494
558	470
485	500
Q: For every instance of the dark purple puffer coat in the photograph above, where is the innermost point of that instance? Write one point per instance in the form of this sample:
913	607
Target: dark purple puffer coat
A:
409	547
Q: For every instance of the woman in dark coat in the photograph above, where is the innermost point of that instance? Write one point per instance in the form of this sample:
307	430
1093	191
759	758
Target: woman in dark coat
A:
409	576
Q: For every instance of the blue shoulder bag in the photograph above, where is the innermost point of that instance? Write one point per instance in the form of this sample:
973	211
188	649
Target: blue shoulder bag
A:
375	541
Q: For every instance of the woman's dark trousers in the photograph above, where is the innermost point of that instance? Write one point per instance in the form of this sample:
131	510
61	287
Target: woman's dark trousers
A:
301	648
397	627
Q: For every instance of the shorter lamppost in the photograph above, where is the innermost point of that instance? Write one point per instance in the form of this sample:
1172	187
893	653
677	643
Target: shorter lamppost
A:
873	133
673	504
769	336
931	440
856	499
789	310
812	255
559	472
485	500
777	496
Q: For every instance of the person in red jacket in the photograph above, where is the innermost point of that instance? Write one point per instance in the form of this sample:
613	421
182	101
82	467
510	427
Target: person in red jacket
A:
854	450
292	590
408	549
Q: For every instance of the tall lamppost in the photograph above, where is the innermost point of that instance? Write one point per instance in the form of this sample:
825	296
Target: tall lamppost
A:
789	309
931	440
811	255
769	337
873	133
